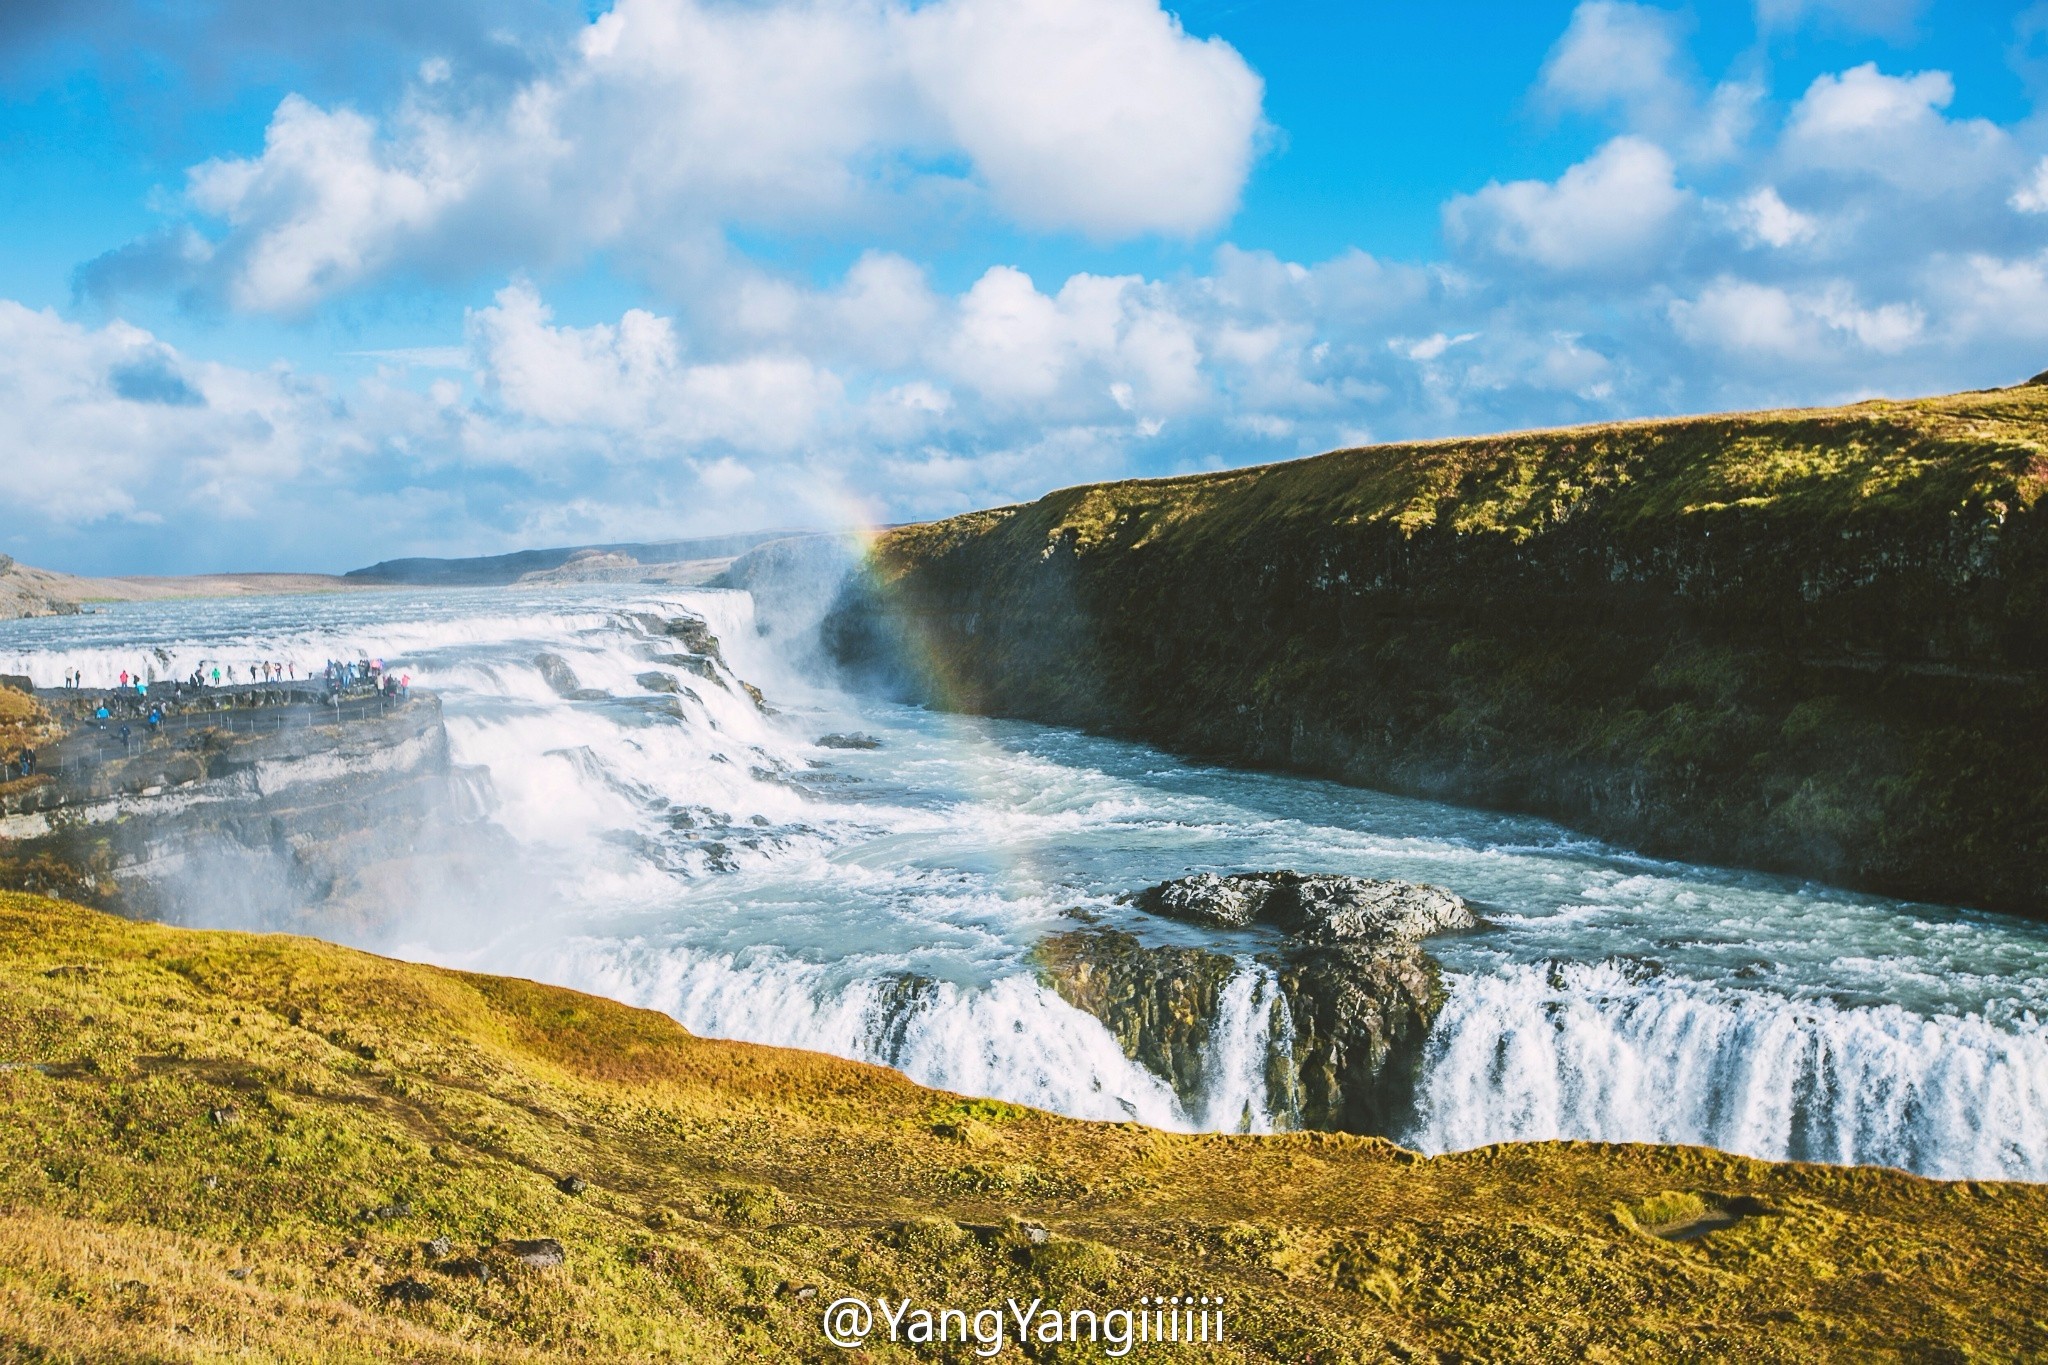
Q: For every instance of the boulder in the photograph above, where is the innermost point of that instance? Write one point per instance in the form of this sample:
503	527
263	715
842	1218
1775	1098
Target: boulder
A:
556	673
694	632
1160	1003
539	1253
1356	993
658	682
1346	1036
856	740
407	1290
1318	908
1359	1019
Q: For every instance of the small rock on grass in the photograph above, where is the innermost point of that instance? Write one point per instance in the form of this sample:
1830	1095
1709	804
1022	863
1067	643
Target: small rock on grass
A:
407	1290
539	1253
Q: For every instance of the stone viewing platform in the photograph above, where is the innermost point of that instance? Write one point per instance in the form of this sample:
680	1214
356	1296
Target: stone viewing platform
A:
200	733
277	800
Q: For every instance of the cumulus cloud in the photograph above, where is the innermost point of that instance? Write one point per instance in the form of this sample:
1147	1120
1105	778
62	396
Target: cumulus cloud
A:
1765	219
109	422
1615	53
1766	323
1630	59
2032	195
668	118
1865	123
1096	114
1708	250
1609	212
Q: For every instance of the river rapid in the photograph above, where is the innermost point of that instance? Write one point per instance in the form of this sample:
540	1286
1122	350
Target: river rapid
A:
713	861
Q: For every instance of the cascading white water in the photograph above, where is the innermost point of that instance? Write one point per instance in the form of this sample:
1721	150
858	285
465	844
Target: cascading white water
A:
686	851
1583	1051
1250	1028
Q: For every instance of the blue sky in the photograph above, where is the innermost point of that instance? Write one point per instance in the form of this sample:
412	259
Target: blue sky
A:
313	285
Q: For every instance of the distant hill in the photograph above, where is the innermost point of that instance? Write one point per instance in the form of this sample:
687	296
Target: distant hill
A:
496	570
26	591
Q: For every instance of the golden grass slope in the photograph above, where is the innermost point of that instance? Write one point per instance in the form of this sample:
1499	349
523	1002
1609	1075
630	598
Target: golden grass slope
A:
217	1146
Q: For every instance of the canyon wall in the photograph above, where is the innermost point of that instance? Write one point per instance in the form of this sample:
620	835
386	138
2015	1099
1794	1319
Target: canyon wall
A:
1812	642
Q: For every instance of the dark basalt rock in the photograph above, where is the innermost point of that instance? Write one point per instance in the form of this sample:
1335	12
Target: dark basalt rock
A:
1323	908
539	1253
1356	998
1360	1017
556	673
698	664
856	740
407	1290
693	632
1160	1003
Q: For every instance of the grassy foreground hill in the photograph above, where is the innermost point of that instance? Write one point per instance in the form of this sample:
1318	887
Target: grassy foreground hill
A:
219	1146
1811	641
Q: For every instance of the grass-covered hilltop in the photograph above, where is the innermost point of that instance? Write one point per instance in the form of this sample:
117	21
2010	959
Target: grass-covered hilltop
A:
1807	641
218	1146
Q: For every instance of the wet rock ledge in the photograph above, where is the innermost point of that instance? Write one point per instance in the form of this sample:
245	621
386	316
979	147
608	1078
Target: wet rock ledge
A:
1351	993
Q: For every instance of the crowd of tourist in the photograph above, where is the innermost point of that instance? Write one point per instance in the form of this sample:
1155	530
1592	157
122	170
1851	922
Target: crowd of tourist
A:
138	703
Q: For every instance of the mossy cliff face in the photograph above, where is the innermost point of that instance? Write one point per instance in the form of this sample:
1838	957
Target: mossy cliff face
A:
1811	641
223	1146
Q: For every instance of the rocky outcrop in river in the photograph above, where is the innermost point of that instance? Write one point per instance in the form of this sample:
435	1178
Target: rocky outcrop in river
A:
1355	997
1809	642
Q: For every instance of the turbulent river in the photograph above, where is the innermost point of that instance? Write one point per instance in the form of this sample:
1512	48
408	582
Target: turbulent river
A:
716	863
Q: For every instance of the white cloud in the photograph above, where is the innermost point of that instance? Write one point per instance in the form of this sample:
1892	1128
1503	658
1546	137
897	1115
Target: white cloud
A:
669	118
1098	335
1096	114
560	375
1890	128
629	382
324	204
1743	318
1764	219
1630	58
2032	195
1430	347
109	422
1614	53
1604	215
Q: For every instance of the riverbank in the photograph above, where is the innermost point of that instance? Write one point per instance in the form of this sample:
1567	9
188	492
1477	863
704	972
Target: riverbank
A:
1803	642
269	1147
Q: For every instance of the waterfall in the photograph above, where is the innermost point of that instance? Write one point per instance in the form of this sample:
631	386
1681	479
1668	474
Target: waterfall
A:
1586	1051
1249	1031
667	842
